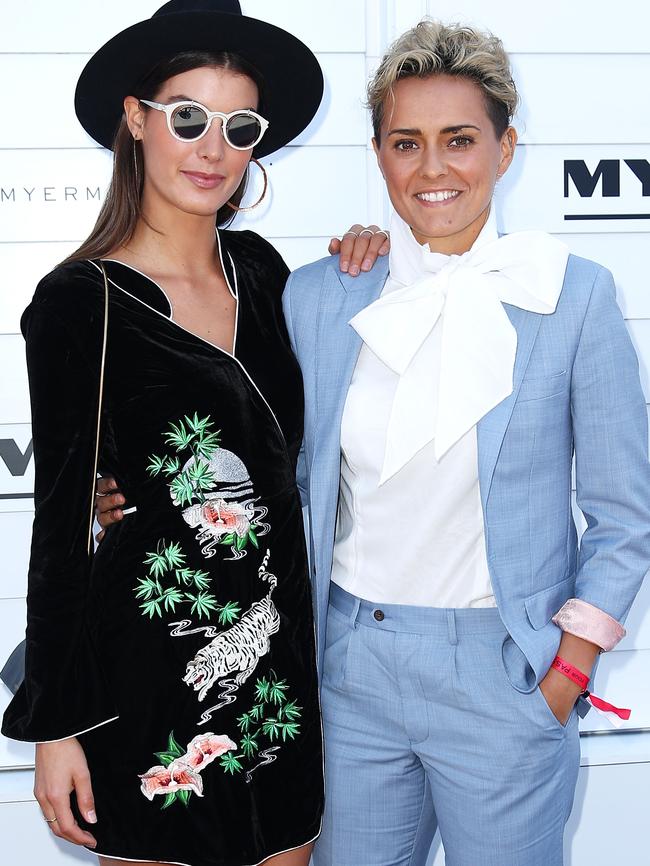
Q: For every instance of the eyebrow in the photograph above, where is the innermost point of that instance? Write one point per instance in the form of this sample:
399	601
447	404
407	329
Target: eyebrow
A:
445	131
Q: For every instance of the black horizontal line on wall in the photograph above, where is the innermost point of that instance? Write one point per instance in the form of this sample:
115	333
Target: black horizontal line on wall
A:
607	216
16	496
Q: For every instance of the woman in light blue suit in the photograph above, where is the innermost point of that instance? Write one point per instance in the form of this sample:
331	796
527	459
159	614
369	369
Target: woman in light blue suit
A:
447	393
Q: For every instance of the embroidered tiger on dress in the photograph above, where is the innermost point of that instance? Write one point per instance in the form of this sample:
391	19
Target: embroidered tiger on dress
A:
237	650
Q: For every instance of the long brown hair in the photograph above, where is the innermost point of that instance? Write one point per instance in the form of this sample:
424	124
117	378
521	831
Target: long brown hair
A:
122	207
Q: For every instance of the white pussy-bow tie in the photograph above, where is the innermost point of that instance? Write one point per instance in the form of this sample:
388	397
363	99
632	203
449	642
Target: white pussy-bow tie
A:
475	345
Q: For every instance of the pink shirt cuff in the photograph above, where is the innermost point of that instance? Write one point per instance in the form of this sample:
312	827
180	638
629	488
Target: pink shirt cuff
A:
584	620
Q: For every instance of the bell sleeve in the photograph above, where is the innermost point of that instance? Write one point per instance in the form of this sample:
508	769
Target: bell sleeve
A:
64	692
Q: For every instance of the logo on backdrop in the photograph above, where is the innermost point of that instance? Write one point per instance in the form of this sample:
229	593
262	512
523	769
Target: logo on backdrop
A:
603	184
39	194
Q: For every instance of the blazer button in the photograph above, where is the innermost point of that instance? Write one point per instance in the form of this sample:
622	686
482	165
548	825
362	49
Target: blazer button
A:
379	615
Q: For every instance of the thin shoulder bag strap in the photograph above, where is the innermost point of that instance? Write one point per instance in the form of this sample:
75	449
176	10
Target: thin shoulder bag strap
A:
99	411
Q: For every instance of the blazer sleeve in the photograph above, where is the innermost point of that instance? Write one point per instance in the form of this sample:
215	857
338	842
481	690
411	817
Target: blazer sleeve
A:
612	472
64	692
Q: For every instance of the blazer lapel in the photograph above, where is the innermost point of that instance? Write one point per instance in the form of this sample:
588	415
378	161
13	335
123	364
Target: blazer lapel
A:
492	428
338	346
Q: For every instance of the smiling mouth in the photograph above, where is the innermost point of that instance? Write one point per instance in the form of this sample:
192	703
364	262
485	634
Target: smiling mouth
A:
442	195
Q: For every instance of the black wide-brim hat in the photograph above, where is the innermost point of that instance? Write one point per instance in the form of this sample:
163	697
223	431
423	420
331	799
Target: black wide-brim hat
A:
293	80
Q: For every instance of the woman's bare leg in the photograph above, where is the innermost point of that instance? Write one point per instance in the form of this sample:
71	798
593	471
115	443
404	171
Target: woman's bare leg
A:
299	857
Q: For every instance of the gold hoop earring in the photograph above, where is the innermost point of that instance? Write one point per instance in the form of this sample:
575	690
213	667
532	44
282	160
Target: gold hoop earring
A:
261	198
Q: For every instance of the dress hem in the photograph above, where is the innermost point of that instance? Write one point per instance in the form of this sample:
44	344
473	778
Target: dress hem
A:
182	863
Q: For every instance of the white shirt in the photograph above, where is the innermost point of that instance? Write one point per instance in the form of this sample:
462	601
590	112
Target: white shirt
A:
418	537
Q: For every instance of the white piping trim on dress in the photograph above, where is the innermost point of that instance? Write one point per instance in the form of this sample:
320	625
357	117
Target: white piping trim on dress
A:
85	731
191	333
177	863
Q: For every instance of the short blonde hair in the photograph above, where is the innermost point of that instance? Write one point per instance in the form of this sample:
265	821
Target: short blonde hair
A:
434	48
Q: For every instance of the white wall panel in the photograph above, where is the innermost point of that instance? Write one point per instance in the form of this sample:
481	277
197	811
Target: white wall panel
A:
591	105
15	396
580	26
84	25
340	120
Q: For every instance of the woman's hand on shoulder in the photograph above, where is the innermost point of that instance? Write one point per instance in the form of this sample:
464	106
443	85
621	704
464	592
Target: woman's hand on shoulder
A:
359	248
61	768
108	504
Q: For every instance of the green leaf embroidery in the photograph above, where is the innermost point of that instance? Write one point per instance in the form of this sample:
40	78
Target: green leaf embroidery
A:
253	539
169	799
290	711
173	746
249	745
184	796
271	728
276	692
229	613
146	588
290	729
155	465
178	436
157	563
184	575
171	597
207	445
241	541
244	722
204	602
174	555
172	465
262	687
256	712
201	579
152	607
200	475
165	758
231	763
228	539
182	489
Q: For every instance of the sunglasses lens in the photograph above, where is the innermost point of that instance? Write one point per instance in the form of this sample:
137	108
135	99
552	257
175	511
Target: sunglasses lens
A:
243	130
188	121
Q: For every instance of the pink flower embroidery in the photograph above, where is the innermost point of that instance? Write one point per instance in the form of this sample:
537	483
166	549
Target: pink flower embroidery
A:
226	517
178	776
204	748
183	773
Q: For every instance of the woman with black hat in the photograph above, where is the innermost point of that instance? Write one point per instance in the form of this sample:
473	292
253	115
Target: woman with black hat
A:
170	680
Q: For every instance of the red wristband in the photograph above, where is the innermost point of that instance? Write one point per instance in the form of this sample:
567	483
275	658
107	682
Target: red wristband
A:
568	670
613	713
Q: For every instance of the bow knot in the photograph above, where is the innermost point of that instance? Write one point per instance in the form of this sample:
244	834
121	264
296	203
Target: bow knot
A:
445	333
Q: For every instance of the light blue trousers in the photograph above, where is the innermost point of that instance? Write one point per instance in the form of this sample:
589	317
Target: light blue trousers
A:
424	730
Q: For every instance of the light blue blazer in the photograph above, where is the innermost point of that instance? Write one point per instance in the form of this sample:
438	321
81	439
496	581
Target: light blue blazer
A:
576	390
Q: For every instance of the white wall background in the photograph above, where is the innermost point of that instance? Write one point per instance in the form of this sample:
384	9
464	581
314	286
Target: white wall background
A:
582	69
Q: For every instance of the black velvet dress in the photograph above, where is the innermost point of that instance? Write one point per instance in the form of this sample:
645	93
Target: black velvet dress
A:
182	654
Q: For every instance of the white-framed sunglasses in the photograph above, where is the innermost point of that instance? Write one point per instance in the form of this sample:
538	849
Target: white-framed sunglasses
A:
189	121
